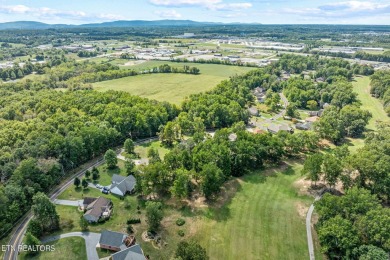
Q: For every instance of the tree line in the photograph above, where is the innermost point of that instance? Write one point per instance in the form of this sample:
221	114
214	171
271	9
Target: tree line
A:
356	224
380	87
45	133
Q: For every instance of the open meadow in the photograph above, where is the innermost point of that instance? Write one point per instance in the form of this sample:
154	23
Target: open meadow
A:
266	211
171	87
374	105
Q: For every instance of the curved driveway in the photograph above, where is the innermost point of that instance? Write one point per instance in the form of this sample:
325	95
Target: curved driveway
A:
308	230
91	240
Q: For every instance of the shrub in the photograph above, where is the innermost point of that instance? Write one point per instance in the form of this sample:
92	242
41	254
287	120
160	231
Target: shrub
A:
180	222
180	233
133	221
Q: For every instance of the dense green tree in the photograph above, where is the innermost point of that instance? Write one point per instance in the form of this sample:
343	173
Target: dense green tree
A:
45	212
370	252
181	185
190	250
211	180
332	169
84	183
338	237
130	167
83	224
32	242
153	155
312	167
154	215
76	182
110	158
129	146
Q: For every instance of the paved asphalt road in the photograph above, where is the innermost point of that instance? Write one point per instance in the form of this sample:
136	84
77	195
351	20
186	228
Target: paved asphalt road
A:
91	240
21	227
308	230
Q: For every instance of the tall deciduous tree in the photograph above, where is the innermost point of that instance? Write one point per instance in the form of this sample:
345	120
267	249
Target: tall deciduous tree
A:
332	169
211	180
190	251
45	212
154	215
76	182
312	167
110	158
129	146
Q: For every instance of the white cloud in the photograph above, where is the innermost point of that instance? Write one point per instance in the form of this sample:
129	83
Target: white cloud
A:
179	3
168	14
347	9
230	7
49	13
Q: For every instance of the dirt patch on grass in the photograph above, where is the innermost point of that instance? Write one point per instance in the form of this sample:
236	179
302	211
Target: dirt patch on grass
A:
301	209
136	62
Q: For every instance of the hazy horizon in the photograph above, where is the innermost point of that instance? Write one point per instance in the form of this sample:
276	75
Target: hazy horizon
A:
368	12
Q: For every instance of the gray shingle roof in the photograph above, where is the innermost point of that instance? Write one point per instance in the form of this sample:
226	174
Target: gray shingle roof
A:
124	184
131	253
111	238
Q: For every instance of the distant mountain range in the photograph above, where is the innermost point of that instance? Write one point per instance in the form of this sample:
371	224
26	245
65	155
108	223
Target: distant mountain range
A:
134	23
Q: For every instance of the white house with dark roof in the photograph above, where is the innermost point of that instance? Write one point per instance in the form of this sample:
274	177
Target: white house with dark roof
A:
96	208
122	185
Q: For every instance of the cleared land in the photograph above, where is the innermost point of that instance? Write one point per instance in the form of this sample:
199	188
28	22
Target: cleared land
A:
362	87
65	249
262	221
171	87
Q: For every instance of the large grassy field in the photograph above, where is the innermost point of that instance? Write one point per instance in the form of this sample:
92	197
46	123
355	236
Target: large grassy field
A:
65	249
171	87
262	221
260	216
362	87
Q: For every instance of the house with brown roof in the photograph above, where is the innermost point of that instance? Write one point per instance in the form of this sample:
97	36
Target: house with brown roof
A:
96	209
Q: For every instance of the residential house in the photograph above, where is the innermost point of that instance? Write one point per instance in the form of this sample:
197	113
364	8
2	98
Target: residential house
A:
115	241
303	126
122	185
316	113
259	93
96	209
253	111
132	253
274	128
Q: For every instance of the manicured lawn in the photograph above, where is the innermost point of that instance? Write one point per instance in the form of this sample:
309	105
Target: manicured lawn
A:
171	87
142	150
262	218
71	248
362	87
260	222
374	105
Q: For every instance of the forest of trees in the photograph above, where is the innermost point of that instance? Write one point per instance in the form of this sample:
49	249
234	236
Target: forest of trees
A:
357	223
42	138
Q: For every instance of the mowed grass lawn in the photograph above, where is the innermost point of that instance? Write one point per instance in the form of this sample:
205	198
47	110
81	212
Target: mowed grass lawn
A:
172	87
65	249
262	220
362	87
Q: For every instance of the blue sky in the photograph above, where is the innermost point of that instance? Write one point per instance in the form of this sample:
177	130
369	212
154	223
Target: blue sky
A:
259	11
